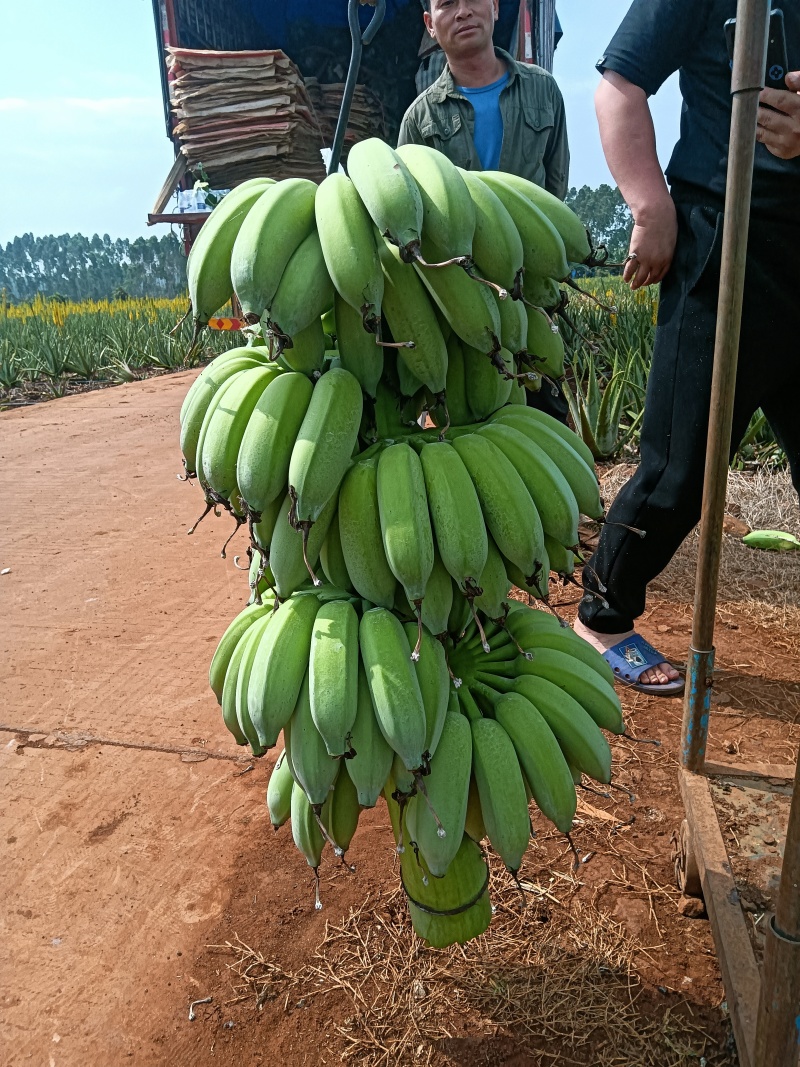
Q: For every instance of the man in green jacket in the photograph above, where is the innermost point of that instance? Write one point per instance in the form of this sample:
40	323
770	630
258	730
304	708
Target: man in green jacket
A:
486	111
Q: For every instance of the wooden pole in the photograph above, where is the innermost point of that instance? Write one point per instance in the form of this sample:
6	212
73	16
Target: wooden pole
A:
750	53
778	1025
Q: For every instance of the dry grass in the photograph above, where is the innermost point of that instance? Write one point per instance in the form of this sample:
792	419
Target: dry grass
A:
553	978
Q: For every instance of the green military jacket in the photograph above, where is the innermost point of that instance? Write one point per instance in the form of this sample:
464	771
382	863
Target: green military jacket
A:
534	127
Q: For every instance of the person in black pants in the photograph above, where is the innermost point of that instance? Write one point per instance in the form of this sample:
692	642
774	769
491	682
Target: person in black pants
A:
677	237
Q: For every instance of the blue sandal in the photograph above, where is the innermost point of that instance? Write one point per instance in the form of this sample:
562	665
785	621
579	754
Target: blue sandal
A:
631	657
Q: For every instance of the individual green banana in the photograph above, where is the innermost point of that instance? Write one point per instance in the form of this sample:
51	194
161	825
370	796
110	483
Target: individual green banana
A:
293	554
279	665
371	762
573	232
566	640
543	249
228	642
574	440
274	228
307	835
518	394
771	540
306	354
263	529
262	465
198	415
486	389
447	790
588	686
279	792
510	514
325	442
393	685
312	767
494	584
541	292
579	475
448	213
549	489
343	812
405	521
460	615
331	557
468	306
226	428
513	325
208	268
249	645
438	602
457	412
304	293
348	243
388	192
540	758
228	698
456	514
412	320
360	535
504	802
359	350
333	674
581	741
545	346
434	683
496	244
473	824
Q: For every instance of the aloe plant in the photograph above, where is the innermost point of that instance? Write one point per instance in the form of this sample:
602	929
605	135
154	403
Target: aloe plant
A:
597	413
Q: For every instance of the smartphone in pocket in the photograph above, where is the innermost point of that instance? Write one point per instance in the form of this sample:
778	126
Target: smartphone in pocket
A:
777	66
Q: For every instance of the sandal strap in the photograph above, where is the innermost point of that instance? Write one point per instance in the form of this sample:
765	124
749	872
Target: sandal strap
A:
631	657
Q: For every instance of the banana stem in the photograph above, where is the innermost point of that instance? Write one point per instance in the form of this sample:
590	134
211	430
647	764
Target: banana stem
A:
496	681
501	292
317	809
211	505
516	288
422	789
417	605
240	521
306	528
180	321
487	693
610	308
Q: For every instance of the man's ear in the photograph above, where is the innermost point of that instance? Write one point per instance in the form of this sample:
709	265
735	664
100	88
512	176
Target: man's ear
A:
428	22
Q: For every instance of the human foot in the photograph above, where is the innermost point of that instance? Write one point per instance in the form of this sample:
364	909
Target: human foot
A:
659	674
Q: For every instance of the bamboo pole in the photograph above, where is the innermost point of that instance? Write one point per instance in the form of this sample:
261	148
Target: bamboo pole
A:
752	24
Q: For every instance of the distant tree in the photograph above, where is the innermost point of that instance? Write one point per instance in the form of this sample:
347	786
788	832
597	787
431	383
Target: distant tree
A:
83	268
118	293
607	217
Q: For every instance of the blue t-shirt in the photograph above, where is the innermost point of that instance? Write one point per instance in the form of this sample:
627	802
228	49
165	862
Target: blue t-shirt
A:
488	135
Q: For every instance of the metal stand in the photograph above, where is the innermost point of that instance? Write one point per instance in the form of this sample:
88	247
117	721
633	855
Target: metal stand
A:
765	1012
359	40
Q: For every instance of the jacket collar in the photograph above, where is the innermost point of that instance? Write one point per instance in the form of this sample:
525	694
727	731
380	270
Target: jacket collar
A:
444	85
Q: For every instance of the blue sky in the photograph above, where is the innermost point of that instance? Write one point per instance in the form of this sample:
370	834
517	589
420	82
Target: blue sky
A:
81	120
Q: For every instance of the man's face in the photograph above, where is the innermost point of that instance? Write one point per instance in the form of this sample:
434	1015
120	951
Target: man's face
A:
462	27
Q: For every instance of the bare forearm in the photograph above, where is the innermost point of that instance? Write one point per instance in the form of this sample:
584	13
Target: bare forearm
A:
629	144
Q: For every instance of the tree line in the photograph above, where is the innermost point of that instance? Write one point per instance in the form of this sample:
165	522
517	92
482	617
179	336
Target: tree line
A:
91	268
98	268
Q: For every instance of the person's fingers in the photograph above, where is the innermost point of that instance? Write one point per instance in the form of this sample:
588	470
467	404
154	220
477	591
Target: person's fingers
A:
793	81
630	268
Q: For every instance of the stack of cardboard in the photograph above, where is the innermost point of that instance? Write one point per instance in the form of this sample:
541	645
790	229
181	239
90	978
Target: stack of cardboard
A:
366	113
242	114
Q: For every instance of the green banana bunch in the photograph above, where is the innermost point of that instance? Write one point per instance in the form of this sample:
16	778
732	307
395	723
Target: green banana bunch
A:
208	267
274	228
220	661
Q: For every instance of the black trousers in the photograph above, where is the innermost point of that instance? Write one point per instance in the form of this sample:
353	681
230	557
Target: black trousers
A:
664	496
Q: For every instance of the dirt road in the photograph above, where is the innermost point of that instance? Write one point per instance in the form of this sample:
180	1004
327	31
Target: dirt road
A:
134	832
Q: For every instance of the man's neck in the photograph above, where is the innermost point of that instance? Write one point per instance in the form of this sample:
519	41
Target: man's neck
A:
473	72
